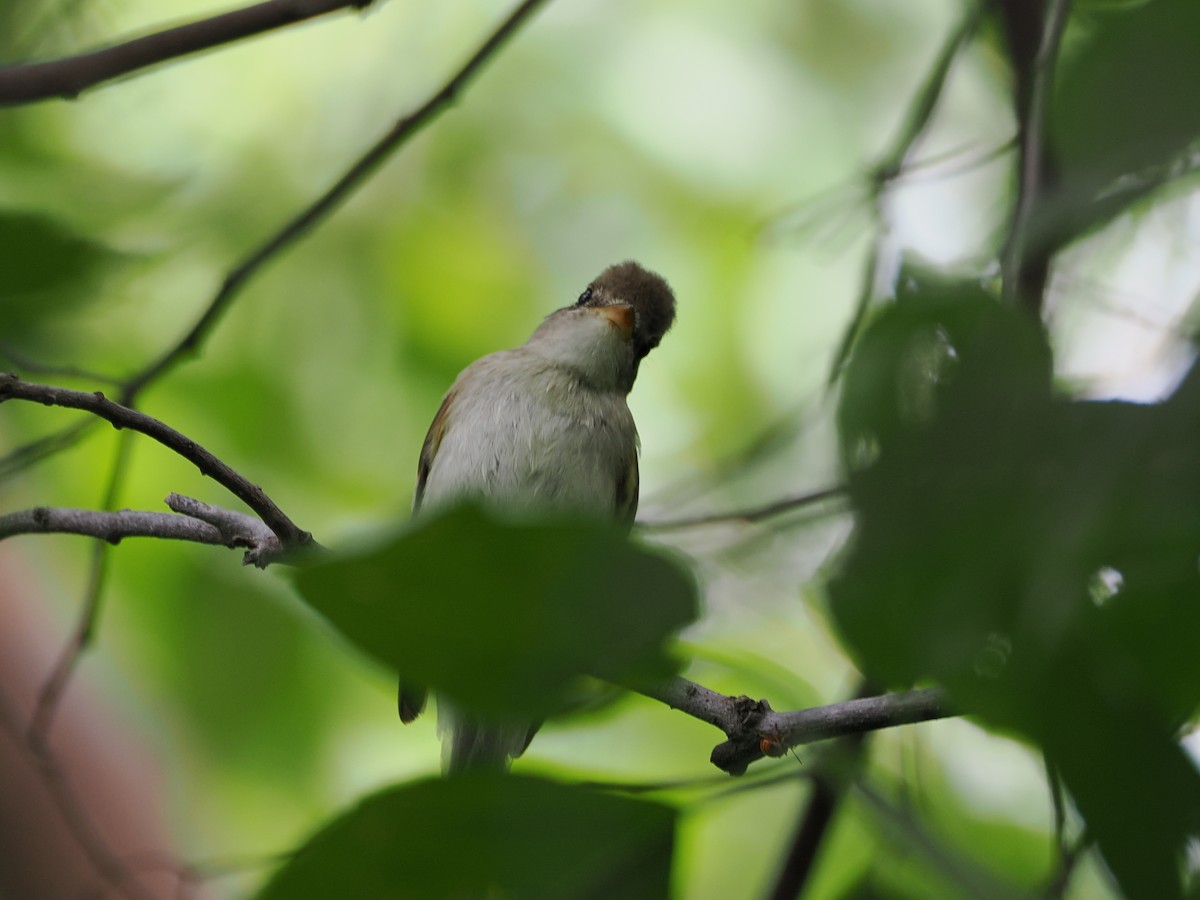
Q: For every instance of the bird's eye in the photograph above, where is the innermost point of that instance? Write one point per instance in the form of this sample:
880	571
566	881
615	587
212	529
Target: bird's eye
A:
585	296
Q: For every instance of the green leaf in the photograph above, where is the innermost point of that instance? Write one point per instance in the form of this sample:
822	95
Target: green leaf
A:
48	270
1125	112
485	834
1038	557
504	617
940	338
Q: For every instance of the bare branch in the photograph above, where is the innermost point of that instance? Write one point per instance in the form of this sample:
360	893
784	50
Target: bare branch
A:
754	730
112	527
753	514
70	76
12	387
240	530
193	521
302	223
1025	267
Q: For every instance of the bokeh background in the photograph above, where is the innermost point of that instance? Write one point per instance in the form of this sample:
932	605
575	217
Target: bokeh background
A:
728	146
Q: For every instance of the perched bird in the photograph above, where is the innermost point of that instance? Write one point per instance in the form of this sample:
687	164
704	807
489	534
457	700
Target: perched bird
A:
544	428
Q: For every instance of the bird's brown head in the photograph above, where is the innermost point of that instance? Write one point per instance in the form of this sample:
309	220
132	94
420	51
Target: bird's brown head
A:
645	292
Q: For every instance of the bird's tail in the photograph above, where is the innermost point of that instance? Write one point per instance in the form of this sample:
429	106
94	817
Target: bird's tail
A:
473	745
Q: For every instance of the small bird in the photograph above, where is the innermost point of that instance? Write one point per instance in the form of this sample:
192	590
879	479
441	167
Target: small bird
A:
544	428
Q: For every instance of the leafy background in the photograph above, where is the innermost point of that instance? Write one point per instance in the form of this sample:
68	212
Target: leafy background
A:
729	147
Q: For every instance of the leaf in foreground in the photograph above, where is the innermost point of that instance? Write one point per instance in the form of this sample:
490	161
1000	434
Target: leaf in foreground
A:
506	618
484	834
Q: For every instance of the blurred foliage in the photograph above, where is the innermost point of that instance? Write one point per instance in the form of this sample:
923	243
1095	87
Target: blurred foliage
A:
1036	555
518	837
49	273
506	618
1023	526
1144	132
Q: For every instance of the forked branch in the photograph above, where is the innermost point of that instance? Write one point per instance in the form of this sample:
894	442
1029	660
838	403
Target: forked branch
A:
755	730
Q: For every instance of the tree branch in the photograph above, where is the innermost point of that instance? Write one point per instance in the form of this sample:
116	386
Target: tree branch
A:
403	130
71	75
112	527
1034	33
753	514
303	222
755	730
227	526
194	521
12	387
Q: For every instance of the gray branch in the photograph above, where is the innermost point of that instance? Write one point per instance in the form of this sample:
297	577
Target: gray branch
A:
192	521
71	75
755	730
12	387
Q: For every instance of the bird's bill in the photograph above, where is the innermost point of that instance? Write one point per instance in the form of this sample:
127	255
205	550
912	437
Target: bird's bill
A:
619	315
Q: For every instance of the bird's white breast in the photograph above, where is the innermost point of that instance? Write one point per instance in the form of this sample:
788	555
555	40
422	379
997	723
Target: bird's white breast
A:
526	433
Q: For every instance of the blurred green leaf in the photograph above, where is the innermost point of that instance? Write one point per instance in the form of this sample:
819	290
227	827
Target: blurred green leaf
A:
1037	556
49	270
256	708
1126	112
504	617
919	354
485	834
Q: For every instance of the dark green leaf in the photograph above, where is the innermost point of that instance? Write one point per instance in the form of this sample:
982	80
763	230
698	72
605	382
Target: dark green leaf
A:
48	270
1039	557
1126	110
503	617
489	835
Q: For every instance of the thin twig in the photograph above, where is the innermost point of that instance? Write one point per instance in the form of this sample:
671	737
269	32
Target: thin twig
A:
753	514
302	223
1067	852
27	363
829	786
929	94
51	694
755	730
967	878
240	530
33	452
890	166
12	387
1024	267
69	76
1068	860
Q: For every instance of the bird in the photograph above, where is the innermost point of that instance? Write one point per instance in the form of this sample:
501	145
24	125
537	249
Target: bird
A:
545	429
